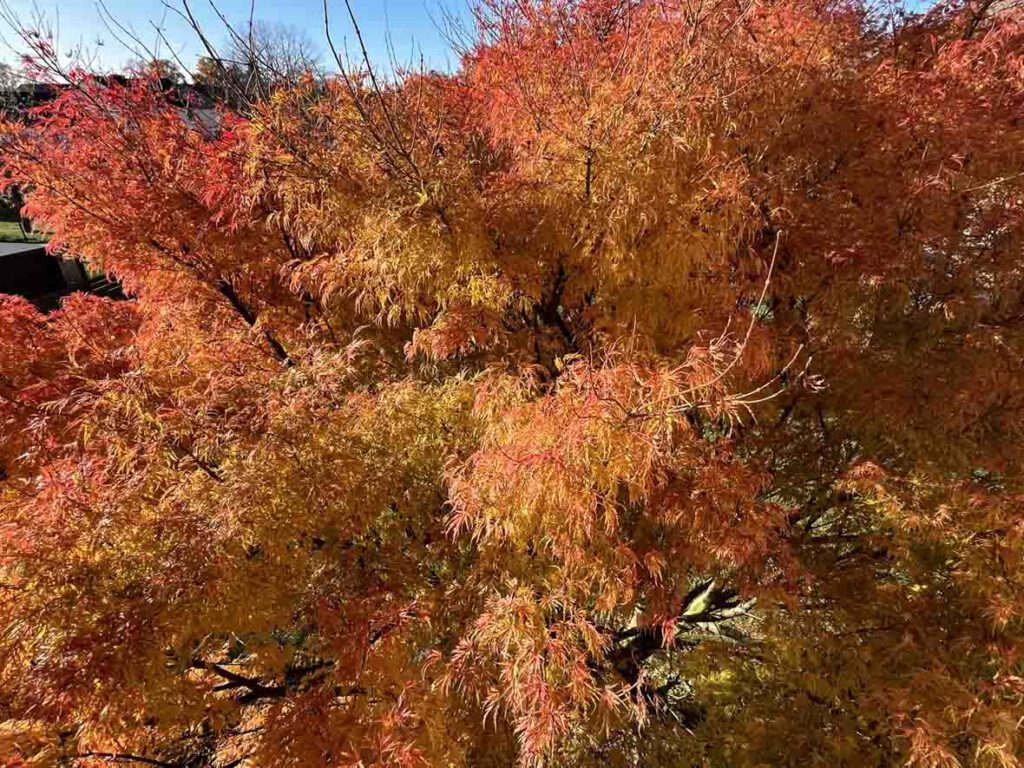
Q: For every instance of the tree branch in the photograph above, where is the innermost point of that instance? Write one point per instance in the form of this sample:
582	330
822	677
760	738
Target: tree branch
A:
257	689
123	757
228	292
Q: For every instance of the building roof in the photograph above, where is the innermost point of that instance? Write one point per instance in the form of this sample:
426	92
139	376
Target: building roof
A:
183	95
12	249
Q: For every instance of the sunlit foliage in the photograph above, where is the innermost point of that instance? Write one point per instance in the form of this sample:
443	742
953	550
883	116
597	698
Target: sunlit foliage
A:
644	393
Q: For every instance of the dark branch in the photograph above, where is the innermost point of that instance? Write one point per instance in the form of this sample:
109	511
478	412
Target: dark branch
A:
228	292
256	688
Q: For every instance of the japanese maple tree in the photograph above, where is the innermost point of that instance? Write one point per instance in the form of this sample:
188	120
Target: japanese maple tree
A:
646	392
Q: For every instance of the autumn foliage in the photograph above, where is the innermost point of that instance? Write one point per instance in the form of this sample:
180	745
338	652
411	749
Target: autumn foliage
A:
644	393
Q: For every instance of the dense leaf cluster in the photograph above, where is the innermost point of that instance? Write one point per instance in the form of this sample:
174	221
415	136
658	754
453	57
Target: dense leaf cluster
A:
644	393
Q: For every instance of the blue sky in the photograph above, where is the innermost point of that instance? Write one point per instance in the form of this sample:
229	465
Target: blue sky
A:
413	25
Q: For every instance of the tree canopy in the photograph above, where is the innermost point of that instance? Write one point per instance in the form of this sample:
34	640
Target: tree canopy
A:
646	392
257	61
